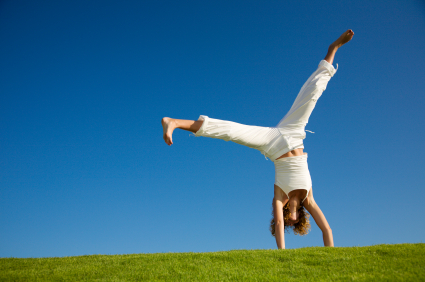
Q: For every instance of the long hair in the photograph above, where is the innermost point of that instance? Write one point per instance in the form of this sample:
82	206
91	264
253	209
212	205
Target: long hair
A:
302	227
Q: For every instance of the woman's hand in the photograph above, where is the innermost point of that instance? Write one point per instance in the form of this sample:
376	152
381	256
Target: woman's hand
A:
320	219
279	202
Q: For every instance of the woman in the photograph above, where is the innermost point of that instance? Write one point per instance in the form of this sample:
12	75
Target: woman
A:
283	145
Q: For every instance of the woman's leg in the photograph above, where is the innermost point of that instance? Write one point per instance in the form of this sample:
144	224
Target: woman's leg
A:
169	124
256	137
344	38
295	120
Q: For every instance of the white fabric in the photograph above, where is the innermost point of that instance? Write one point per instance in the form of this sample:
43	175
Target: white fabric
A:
288	135
292	173
294	122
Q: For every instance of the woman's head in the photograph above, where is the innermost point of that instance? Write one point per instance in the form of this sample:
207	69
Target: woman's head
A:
300	225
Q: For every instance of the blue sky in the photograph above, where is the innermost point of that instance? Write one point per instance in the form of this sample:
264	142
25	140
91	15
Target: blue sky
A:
84	85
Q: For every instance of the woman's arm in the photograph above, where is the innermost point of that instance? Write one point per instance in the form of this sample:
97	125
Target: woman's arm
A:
279	201
320	219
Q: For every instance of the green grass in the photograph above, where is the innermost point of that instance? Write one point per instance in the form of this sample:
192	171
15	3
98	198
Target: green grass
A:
404	262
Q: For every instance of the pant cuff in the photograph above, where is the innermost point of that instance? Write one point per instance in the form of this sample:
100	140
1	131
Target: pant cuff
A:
327	66
201	130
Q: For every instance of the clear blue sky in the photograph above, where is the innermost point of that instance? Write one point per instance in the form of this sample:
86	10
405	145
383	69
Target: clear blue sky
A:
84	85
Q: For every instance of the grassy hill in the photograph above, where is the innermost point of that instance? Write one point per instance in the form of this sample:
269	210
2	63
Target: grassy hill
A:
403	262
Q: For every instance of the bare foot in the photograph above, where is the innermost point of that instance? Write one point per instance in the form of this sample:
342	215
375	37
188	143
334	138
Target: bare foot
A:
344	38
168	125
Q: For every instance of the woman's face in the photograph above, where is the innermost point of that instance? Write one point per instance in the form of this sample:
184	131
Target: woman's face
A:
294	217
291	222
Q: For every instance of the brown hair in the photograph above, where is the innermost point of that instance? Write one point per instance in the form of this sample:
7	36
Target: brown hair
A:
302	227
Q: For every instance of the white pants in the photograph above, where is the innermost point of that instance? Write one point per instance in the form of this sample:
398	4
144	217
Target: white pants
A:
288	135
